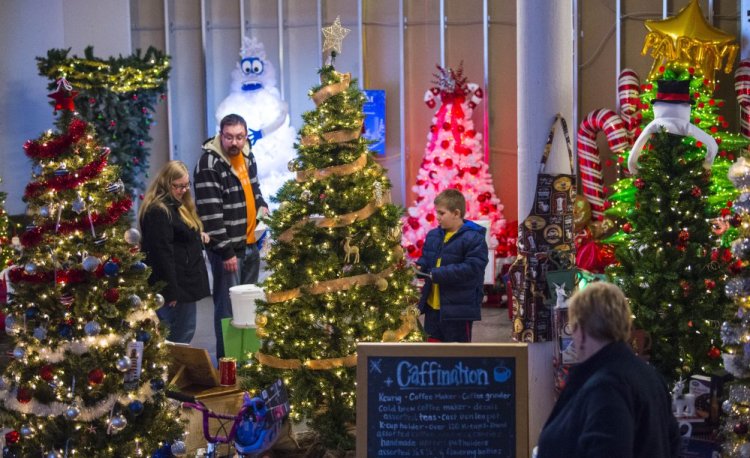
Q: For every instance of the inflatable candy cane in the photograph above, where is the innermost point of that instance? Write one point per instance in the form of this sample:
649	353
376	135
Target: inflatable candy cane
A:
742	88
619	130
589	165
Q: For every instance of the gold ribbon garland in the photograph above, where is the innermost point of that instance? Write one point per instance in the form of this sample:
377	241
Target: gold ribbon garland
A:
339	284
329	91
336	136
408	323
337	170
338	221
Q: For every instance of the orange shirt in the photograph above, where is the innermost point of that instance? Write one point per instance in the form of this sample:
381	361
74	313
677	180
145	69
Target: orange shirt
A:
239	167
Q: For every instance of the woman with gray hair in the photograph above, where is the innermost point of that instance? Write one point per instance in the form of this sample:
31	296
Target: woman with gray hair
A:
614	404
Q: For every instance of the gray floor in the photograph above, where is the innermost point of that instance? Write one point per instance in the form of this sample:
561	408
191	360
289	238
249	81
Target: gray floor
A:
494	327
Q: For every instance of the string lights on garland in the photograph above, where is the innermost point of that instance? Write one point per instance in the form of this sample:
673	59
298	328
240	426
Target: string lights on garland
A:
118	96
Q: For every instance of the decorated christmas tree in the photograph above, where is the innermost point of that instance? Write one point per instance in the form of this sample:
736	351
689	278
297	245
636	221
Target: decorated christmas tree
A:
5	240
454	159
118	98
339	275
673	262
88	373
670	269
735	332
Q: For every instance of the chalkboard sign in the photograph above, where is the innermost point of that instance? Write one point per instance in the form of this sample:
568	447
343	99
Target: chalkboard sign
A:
442	400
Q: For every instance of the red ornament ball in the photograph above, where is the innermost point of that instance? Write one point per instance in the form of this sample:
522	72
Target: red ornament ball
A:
445	144
12	437
627	228
740	428
96	376
639	183
420	244
112	295
448	162
446	126
23	395
430	217
710	284
413	222
471	133
714	353
696	191
683	236
45	372
436	161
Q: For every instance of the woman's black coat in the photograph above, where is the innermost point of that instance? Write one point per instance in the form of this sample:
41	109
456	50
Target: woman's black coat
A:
175	253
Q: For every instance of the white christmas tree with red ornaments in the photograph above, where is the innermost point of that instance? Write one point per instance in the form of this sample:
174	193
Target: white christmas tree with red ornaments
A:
454	159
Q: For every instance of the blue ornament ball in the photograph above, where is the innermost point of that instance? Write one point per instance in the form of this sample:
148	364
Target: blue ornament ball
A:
31	313
30	268
163	452
136	407
65	331
111	268
40	333
138	266
92	328
157	384
142	336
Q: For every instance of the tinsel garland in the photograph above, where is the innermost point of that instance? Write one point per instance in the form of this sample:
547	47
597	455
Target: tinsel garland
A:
33	236
329	91
82	346
337	221
36	149
70	180
336	170
88	414
336	136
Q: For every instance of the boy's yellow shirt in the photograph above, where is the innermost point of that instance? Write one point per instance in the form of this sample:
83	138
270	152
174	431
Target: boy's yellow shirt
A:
433	300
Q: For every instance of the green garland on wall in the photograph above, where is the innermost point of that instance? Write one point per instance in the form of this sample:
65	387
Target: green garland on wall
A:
118	96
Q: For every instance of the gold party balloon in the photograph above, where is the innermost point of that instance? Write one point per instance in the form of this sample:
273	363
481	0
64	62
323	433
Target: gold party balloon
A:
581	212
688	40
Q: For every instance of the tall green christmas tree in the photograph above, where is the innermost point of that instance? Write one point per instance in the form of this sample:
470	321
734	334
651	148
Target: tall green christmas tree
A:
670	269
88	373
5	241
339	275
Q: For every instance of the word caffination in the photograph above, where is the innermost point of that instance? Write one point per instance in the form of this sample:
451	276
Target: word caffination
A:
432	373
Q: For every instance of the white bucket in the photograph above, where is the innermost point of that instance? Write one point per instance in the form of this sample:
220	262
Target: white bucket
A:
243	299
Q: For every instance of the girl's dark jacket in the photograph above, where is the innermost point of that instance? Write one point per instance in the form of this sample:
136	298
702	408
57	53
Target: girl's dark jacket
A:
461	272
175	253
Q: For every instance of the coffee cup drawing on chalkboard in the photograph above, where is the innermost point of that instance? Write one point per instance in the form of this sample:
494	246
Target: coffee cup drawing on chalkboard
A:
502	374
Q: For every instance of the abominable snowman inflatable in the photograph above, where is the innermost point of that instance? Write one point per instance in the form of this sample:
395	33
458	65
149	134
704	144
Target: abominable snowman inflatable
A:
254	96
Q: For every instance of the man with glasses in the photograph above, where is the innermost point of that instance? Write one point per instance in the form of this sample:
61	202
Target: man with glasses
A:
229	201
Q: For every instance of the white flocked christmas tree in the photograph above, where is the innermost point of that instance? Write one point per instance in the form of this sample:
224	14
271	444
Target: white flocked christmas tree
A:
454	159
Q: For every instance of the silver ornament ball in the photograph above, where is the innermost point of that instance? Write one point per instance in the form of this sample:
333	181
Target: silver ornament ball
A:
26	431
159	300
123	364
178	448
135	301
30	268
118	423
19	352
132	236
91	263
72	412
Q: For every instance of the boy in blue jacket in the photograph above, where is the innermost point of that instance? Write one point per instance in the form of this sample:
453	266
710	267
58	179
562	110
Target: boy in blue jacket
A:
454	256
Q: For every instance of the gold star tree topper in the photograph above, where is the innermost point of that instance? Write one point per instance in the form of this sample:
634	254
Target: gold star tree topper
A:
688	40
333	36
